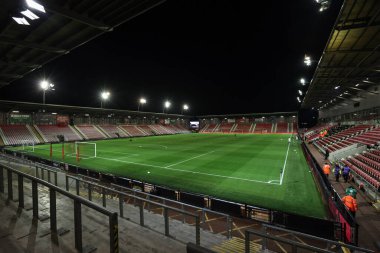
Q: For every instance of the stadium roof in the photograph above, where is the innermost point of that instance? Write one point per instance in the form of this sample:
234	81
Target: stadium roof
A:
350	63
27	107
65	26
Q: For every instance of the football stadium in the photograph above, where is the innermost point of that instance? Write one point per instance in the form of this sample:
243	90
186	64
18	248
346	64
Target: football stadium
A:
124	173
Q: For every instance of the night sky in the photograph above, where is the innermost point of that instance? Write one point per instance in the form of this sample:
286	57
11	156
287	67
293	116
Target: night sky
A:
218	56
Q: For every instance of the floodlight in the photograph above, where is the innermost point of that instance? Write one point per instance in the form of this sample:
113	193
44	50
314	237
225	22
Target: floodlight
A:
356	85
167	104
337	87
21	21
29	14
185	107
44	85
142	101
34	5
300	92
299	100
303	81
307	60
105	95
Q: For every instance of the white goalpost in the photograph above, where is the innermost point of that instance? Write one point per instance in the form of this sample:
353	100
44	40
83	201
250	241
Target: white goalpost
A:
85	149
27	145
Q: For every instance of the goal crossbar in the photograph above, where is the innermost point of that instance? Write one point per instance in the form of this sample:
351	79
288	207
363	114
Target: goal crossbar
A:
81	151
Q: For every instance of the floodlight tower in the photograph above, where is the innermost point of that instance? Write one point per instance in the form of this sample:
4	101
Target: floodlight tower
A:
166	105
46	86
104	96
142	101
184	108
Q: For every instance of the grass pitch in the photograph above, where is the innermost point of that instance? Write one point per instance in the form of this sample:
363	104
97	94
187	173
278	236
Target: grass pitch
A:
261	170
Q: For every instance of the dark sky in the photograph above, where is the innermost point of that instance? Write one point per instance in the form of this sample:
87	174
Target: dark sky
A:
218	56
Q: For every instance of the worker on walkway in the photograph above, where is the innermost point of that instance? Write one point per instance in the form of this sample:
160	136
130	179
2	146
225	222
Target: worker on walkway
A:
337	172
350	202
326	169
346	173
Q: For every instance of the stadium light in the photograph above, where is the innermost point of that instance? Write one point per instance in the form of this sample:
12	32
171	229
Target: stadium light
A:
184	108
307	60
21	21
34	5
324	4
303	81
142	101
166	105
298	99
300	92
27	13
104	95
46	86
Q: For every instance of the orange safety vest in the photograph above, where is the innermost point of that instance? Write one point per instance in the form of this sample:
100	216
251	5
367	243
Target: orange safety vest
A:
326	169
350	203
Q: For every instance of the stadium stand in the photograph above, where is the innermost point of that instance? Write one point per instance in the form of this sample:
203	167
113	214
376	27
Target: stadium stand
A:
90	132
362	134
49	133
226	127
263	128
243	128
282	127
17	134
112	131
133	130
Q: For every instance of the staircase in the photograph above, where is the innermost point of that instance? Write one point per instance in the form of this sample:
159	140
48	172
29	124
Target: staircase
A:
274	128
233	128
216	128
104	133
78	132
34	133
124	131
253	127
2	138
39	133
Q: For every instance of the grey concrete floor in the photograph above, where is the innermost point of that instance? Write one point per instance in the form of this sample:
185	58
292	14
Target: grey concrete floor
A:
20	233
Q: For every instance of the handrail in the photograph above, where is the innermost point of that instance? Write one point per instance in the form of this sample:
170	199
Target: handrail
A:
78	201
248	232
318	238
165	207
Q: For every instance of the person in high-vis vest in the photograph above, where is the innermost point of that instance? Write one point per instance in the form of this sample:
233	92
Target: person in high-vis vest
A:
350	203
326	169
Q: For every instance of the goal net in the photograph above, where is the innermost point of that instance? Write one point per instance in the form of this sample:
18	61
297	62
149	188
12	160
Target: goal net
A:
27	145
85	149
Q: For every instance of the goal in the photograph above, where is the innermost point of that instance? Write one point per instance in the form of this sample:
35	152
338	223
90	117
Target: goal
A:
27	145
85	149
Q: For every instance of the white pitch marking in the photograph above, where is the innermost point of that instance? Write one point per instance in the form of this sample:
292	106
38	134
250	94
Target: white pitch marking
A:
187	171
190	159
283	169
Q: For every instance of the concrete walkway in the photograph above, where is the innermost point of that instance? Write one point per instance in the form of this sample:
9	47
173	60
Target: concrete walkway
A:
19	233
367	217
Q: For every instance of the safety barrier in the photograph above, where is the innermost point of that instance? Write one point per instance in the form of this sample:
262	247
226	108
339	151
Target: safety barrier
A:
295	243
53	190
138	201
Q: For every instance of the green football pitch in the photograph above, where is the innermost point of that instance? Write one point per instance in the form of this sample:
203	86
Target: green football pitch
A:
261	170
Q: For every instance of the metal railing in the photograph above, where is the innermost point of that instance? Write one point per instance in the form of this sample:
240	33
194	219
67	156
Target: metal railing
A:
138	201
295	245
167	201
53	190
